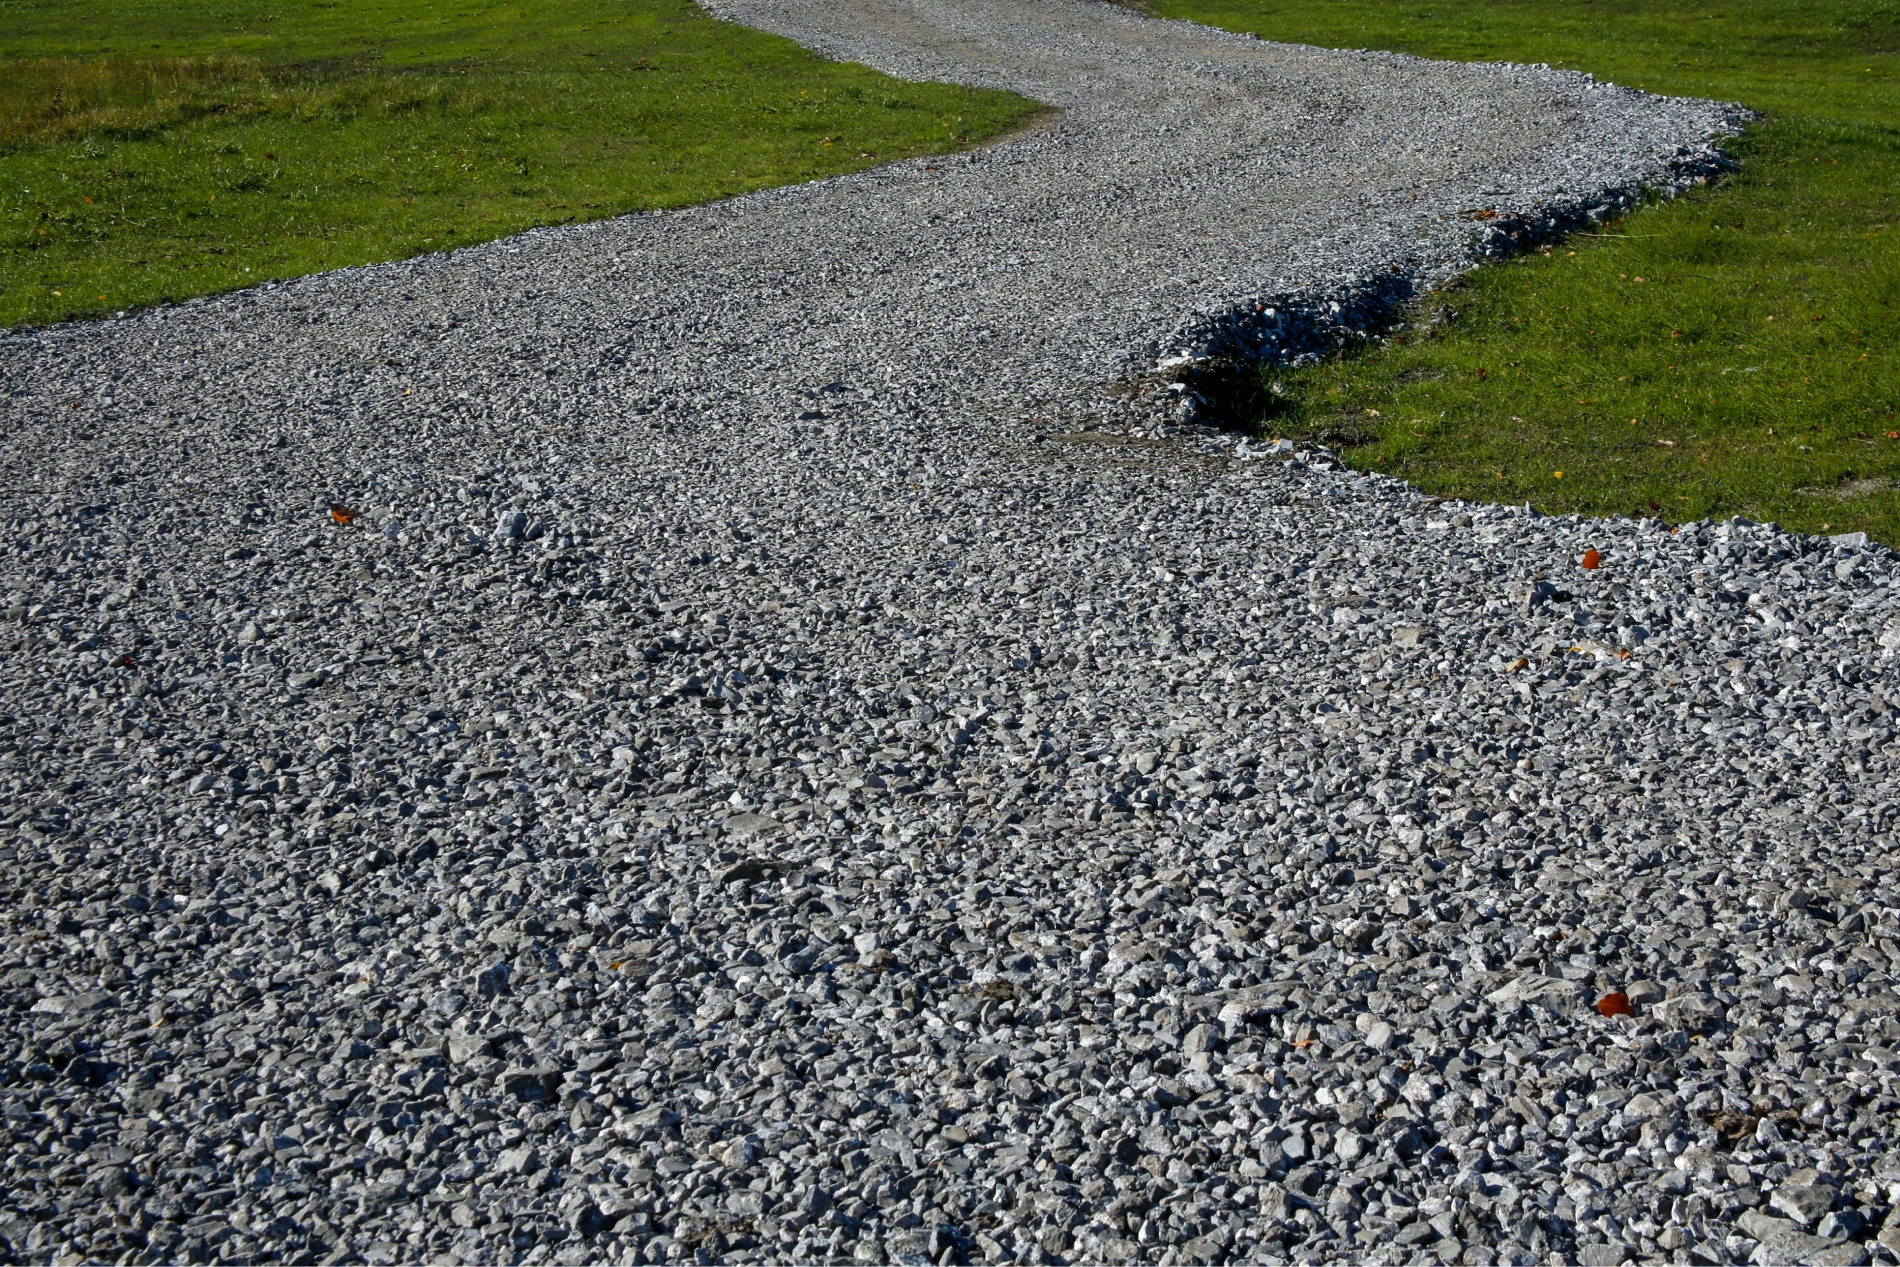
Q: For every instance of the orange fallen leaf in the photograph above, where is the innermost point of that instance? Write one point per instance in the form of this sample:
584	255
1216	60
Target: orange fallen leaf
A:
1304	1043
1592	560
341	514
1617	1004
1519	663
1622	653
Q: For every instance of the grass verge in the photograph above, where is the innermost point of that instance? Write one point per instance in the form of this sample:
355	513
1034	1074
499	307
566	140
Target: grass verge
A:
1736	351
151	150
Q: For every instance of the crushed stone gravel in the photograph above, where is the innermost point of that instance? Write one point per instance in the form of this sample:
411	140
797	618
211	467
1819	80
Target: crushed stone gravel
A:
761	733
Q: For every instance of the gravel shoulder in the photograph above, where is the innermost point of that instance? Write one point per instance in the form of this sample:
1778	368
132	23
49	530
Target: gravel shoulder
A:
762	732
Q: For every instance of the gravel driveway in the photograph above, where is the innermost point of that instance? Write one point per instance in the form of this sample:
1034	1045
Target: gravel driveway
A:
759	732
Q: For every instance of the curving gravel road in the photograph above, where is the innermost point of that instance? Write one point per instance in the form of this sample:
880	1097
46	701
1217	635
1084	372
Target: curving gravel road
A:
760	733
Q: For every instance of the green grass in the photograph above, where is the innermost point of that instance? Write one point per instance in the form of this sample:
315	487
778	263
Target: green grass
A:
1736	351
159	149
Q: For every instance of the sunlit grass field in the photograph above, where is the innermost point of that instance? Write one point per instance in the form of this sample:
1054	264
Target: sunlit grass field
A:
1734	352
154	150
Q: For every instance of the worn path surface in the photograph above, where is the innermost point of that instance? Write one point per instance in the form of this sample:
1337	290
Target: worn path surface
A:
719	734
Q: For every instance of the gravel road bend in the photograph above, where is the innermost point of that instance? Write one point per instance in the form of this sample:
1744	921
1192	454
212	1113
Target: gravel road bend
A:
770	732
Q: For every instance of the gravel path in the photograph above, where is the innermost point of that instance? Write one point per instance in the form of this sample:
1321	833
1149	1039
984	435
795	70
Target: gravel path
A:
759	733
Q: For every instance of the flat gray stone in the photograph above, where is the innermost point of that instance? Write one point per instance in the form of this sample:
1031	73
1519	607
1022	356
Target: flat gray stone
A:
1553	993
1804	1203
76	1005
1603	1254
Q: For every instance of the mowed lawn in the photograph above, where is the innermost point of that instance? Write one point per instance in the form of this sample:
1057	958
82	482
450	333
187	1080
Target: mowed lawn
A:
1735	352
160	149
